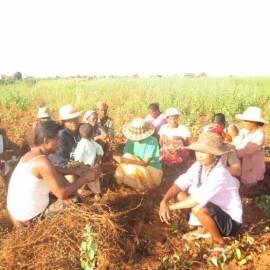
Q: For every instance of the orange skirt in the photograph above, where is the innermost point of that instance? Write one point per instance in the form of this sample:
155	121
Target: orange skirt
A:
138	177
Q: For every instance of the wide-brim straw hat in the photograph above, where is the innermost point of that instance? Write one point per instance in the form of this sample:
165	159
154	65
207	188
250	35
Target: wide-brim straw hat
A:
171	112
87	114
210	143
253	114
138	129
69	112
44	112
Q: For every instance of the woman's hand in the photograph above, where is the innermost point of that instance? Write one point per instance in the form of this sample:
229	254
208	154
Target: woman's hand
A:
164	213
80	171
90	175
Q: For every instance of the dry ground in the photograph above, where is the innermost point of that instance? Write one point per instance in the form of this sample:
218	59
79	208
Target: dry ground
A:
131	235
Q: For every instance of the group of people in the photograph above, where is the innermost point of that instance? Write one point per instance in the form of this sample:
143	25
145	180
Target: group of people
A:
209	190
49	184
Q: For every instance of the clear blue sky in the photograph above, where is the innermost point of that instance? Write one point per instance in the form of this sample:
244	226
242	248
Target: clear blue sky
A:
122	37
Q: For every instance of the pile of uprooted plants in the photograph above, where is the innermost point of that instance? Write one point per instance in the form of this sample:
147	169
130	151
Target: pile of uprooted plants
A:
55	243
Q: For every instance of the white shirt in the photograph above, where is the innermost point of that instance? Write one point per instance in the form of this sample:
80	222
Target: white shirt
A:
28	196
218	187
87	150
181	130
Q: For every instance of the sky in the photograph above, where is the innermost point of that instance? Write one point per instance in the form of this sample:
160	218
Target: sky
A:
125	37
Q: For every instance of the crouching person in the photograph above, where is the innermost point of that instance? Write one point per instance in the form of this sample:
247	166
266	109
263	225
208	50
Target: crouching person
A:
139	166
209	190
37	188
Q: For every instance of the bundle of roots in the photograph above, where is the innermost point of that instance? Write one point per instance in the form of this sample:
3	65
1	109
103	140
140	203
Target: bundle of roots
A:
55	243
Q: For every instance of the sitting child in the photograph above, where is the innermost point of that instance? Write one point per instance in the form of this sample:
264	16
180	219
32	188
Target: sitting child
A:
91	153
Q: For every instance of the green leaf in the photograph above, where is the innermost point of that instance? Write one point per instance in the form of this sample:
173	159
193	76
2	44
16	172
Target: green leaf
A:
83	245
165	259
214	261
83	263
176	258
242	262
249	258
237	253
222	266
90	254
250	240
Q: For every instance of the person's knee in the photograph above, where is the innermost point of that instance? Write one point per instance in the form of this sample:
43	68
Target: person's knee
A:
199	212
181	196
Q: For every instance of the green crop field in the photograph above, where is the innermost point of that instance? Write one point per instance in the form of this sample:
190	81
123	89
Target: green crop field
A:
196	98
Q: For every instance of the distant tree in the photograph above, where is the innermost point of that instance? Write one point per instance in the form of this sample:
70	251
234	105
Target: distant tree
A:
17	76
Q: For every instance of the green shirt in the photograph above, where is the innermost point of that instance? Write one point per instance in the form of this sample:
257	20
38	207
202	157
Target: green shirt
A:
147	148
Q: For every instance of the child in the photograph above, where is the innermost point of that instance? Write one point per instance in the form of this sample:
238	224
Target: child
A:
91	153
210	191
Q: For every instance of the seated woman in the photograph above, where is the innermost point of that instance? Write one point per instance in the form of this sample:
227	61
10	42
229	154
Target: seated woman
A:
38	189
230	130
250	145
69	136
140	166
173	139
212	195
9	152
44	114
91	118
105	122
155	117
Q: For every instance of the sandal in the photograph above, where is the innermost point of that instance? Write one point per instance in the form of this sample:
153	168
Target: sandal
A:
217	251
194	235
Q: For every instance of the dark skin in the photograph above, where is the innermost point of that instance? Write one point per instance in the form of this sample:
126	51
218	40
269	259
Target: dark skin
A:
187	202
53	176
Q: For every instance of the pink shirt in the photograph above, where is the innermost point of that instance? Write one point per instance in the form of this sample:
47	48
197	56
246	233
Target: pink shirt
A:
157	122
250	147
219	188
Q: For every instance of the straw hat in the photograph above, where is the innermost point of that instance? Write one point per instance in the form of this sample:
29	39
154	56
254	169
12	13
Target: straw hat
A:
44	112
69	112
253	114
171	112
138	130
210	143
87	114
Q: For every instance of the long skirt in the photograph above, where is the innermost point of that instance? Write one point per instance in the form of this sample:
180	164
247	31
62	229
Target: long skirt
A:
138	177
